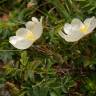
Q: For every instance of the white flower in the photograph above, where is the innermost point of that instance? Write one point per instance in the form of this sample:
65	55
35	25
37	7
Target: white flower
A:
77	29
25	37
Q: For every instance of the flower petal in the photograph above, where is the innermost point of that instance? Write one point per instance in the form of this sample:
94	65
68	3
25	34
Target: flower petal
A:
91	23
68	29
34	19
20	42
22	32
25	33
35	27
29	25
71	38
76	23
73	28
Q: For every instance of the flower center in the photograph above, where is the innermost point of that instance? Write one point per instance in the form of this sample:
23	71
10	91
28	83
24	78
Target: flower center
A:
84	28
30	36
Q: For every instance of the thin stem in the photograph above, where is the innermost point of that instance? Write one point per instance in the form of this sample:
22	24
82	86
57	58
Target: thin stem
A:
9	50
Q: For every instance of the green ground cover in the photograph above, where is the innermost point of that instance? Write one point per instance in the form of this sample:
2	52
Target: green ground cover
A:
52	66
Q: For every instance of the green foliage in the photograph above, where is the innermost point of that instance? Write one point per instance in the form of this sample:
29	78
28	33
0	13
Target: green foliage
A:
52	66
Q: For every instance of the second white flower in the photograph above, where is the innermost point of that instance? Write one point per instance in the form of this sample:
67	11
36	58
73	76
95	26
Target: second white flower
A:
76	30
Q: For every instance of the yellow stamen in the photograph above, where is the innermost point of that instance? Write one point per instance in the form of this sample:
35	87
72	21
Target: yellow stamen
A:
30	36
84	28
